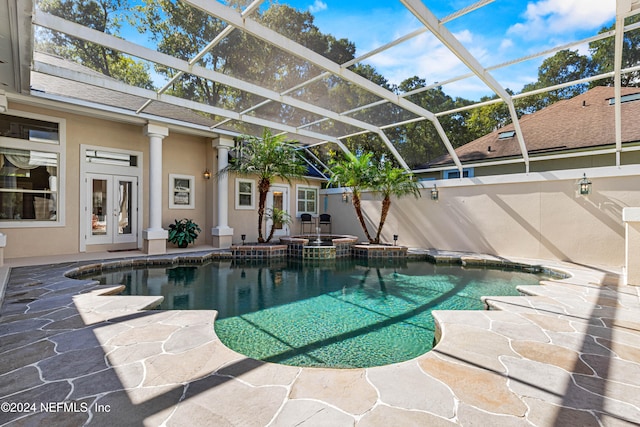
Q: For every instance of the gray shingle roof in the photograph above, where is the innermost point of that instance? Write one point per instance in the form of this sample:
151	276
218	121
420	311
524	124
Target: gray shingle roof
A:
585	121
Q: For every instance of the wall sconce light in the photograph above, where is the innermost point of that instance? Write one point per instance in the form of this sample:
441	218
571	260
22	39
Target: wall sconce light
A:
434	193
395	239
206	174
585	185
243	237
345	197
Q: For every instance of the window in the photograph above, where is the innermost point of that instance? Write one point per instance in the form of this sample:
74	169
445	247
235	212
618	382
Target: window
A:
307	200
625	98
245	193
181	195
507	134
454	173
111	158
31	159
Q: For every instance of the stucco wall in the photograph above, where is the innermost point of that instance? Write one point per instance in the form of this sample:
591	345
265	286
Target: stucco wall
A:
182	154
543	219
245	221
538	215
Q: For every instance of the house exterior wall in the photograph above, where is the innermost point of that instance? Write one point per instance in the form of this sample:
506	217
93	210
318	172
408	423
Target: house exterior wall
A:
542	218
245	221
537	215
182	154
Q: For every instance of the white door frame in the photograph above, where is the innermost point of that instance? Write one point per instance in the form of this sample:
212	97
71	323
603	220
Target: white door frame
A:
110	218
87	167
286	191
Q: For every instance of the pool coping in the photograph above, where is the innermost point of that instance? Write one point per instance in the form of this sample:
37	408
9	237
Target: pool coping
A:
567	350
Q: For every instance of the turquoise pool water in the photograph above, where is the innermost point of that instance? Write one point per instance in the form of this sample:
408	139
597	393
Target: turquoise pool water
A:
346	314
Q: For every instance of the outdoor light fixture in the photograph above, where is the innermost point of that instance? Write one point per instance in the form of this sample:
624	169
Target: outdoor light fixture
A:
345	197
395	239
243	237
585	185
206	174
434	193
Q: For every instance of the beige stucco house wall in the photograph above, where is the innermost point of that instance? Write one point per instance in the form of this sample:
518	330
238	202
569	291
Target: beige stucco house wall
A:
539	215
182	154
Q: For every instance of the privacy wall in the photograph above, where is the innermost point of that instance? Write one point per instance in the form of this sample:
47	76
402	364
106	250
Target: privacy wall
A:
541	216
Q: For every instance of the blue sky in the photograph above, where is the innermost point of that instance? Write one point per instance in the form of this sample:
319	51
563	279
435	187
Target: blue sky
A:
498	32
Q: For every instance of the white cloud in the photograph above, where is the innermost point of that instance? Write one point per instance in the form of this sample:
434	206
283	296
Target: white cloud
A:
423	56
317	6
552	17
506	44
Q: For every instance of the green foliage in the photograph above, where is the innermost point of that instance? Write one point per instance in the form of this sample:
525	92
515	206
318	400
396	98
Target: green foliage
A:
563	67
101	15
388	180
602	55
277	217
183	232
361	172
183	31
485	119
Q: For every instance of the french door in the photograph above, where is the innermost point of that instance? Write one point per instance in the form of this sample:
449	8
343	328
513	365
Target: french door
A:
112	209
278	197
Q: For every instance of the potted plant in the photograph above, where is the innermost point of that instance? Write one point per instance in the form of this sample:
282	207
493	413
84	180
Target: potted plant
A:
277	217
182	232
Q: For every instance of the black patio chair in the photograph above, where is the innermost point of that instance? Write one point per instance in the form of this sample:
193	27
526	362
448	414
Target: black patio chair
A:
325	219
306	219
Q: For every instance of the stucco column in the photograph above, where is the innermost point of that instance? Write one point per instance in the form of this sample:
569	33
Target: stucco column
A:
155	237
222	234
3	244
631	218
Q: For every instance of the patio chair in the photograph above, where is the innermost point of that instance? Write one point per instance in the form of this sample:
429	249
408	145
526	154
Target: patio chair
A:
325	219
306	219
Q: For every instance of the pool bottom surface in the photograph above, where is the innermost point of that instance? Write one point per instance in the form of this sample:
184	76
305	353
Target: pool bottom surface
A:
347	315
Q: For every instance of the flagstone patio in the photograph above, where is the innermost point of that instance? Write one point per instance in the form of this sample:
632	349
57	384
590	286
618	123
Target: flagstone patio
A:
566	354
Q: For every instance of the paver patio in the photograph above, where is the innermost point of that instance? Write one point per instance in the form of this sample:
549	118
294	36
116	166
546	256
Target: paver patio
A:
566	354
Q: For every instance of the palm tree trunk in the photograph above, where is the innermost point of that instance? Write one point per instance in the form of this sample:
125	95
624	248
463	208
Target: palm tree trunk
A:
386	205
263	188
271	233
358	208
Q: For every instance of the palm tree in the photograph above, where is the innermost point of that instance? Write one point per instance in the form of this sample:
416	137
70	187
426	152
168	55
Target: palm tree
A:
391	181
354	172
360	173
268	157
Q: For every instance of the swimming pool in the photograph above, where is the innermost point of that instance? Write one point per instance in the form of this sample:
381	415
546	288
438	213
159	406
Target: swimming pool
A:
344	314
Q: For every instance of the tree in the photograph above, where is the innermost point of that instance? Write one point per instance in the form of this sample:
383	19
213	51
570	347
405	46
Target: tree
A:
100	15
563	67
267	157
391	181
353	171
361	172
487	118
602	55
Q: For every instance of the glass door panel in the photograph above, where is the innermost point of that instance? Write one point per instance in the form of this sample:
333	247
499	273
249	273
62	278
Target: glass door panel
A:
112	209
125	208
278	197
100	221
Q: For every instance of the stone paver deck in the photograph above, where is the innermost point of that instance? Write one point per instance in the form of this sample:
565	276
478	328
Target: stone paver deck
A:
566	354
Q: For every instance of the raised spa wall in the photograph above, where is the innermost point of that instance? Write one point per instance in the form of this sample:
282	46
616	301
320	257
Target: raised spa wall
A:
303	247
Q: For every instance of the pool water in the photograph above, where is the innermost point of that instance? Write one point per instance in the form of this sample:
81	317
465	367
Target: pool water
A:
344	314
